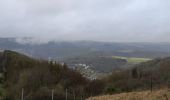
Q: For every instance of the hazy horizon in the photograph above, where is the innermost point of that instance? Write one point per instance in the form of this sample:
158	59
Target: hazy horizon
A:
32	40
97	20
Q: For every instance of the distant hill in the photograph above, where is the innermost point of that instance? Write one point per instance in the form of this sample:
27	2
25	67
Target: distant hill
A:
95	54
61	50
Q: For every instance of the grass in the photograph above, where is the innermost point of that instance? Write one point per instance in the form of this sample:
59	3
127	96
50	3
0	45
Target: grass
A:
143	95
133	60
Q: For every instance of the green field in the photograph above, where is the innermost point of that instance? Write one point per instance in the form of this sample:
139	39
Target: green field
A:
132	60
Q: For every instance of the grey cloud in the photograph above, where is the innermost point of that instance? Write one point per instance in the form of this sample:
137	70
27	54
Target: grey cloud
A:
99	20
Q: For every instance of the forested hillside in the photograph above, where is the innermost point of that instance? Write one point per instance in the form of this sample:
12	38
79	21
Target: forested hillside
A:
37	78
149	75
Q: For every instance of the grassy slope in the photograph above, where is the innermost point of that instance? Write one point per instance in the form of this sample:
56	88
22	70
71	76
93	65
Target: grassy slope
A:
145	95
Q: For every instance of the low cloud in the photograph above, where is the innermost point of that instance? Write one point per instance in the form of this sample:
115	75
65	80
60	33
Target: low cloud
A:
99	20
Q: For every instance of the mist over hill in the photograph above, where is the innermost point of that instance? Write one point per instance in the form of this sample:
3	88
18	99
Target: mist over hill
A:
61	50
97	55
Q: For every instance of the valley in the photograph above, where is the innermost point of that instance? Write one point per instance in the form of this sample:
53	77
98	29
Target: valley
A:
95	67
84	50
84	73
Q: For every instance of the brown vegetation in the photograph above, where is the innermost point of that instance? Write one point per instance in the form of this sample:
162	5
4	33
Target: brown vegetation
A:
38	78
145	95
146	76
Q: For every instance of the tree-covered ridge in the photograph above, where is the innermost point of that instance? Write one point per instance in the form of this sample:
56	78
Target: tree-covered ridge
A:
38	78
145	76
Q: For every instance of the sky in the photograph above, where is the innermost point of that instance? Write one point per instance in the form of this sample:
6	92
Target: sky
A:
97	20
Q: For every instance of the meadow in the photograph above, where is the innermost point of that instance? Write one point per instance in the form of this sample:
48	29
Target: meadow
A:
132	60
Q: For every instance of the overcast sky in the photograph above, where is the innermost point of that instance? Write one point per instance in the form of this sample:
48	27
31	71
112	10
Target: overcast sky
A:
98	20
